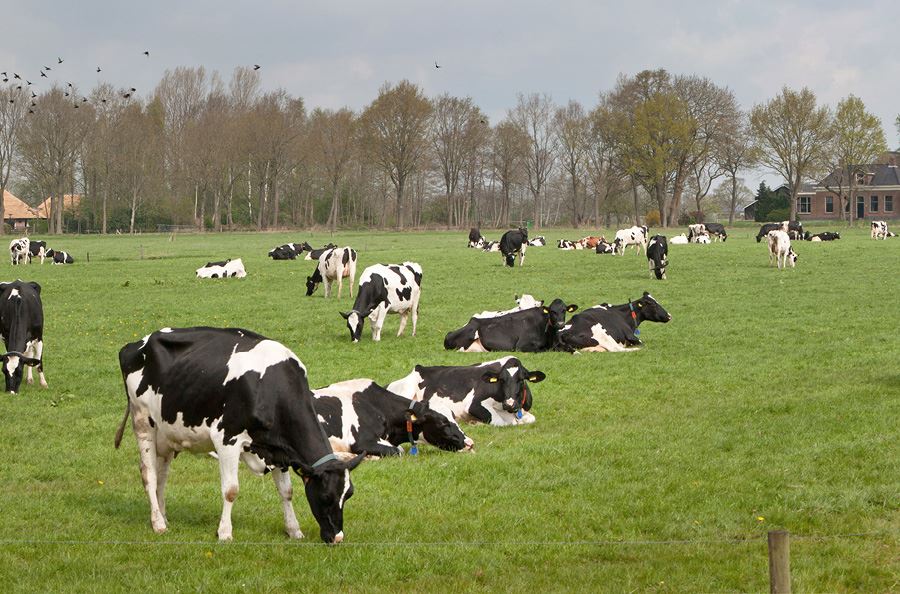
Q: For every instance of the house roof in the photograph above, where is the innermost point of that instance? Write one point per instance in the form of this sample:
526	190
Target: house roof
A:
13	208
70	201
883	174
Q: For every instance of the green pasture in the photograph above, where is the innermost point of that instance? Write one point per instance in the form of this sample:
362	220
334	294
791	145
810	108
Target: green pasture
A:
770	401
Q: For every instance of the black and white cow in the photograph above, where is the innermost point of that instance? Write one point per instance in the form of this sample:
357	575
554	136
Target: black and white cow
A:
825	236
476	240
565	244
490	246
19	250
334	266
526	301
529	330
879	230
384	289
514	242
316	254
495	392
658	256
604	247
288	251
359	416
612	328
636	236
717	230
224	269
539	241
780	251
37	249
22	329
786	226
243	396
58	257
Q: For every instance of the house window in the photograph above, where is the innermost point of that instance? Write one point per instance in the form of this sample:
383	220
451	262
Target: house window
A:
873	204
803	205
888	204
829	203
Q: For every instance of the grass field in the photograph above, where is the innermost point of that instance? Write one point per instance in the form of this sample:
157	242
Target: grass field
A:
771	400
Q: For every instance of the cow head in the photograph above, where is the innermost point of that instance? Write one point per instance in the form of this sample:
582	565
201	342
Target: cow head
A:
556	313
438	429
355	322
650	309
792	257
328	487
512	379
510	259
14	364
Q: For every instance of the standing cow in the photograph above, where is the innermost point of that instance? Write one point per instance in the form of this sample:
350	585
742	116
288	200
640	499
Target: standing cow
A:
658	256
384	289
334	265
636	236
780	250
19	250
514	242
879	230
476	240
22	327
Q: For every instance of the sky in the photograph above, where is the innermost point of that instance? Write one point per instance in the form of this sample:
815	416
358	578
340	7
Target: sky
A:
339	53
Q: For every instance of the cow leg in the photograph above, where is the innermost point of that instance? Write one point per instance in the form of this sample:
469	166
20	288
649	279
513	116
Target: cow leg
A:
475	347
403	317
381	448
37	351
327	287
415	316
163	463
282	482
229	456
146	440
378	322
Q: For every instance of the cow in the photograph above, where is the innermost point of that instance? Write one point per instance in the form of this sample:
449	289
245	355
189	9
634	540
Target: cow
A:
288	251
491	246
783	226
590	242
780	251
612	328
334	265
513	242
565	244
879	230
526	301
22	327
384	289
58	257
636	236
224	269
244	396
825	236
695	231
475	238
495	392
529	330
539	241
316	254
605	248
658	256
680	239
717	230
19	250
702	238
37	249
359	416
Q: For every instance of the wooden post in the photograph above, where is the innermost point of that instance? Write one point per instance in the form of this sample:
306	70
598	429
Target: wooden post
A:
779	562
88	256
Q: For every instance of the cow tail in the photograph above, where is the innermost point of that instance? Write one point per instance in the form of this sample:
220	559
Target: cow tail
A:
121	428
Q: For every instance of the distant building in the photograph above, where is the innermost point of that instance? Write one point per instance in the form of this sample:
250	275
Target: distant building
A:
876	192
17	214
70	205
750	211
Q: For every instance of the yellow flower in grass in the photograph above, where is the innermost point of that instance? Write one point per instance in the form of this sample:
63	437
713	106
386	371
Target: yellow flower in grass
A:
760	519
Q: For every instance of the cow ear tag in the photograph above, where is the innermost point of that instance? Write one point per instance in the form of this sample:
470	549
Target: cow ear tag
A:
546	311
519	414
492	380
414	450
637	331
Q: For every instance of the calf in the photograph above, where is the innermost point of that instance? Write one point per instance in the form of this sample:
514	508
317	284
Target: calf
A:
334	265
636	236
224	269
58	257
612	328
243	396
475	238
22	327
530	330
590	242
702	238
780	250
361	417
514	242
879	230
539	241
384	289
19	250
565	244
680	239
496	392
658	256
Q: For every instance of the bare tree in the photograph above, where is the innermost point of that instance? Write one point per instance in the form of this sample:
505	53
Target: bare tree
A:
508	152
533	114
332	136
138	156
14	108
734	155
573	132
604	170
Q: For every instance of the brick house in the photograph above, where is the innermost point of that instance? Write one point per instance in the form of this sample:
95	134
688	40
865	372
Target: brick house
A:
876	194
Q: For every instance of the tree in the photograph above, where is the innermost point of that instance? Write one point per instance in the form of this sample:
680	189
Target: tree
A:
138	156
858	142
573	128
792	136
395	133
14	107
332	134
533	116
508	150
769	200
736	154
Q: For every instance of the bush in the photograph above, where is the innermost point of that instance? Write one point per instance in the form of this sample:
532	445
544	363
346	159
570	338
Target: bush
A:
779	214
690	218
652	218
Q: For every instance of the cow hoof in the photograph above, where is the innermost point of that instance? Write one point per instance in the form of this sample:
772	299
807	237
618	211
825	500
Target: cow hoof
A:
160	529
44	385
225	537
29	381
294	534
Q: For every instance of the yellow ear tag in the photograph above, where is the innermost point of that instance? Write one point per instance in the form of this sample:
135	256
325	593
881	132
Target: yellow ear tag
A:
492	380
413	418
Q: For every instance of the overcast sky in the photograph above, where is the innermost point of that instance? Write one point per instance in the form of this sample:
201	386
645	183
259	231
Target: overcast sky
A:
338	53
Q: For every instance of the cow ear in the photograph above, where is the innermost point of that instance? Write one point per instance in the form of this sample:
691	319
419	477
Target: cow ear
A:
571	308
536	376
345	315
491	378
35	286
356	461
646	293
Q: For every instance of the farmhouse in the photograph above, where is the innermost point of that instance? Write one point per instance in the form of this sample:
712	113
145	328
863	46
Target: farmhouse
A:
17	214
876	192
70	205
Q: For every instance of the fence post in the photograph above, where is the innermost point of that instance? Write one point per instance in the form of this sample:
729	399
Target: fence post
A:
779	562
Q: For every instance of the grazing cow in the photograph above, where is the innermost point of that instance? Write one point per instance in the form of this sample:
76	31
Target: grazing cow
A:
530	330
526	301
361	417
243	396
58	257
224	269
494	392
514	242
19	250
491	246
539	241
37	249
658	256
612	328
636	236
780	250
605	248
475	238
879	230
334	265
680	239
316	254
384	289
288	251
565	244
825	236
717	230
22	327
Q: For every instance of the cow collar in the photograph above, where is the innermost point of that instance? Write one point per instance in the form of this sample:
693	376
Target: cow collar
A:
634	318
413	450
323	460
524	399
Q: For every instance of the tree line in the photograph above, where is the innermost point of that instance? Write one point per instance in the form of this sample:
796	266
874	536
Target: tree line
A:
216	155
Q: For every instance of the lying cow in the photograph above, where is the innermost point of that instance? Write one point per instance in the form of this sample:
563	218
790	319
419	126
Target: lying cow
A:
612	328
539	241
530	330
780	250
224	269
680	239
565	244
246	398
22	327
825	236
636	236
879	230
384	289
361	417
658	256
491	246
526	301
288	251
590	242
19	250
495	392
316	254
695	231
58	257
604	247
334	266
514	242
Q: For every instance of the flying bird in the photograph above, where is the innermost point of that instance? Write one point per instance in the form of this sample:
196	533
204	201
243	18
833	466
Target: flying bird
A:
436	65
44	74
66	93
33	94
147	53
47	68
256	66
84	99
16	76
12	100
59	60
5	79
30	111
132	89
98	69
29	82
126	95
68	84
